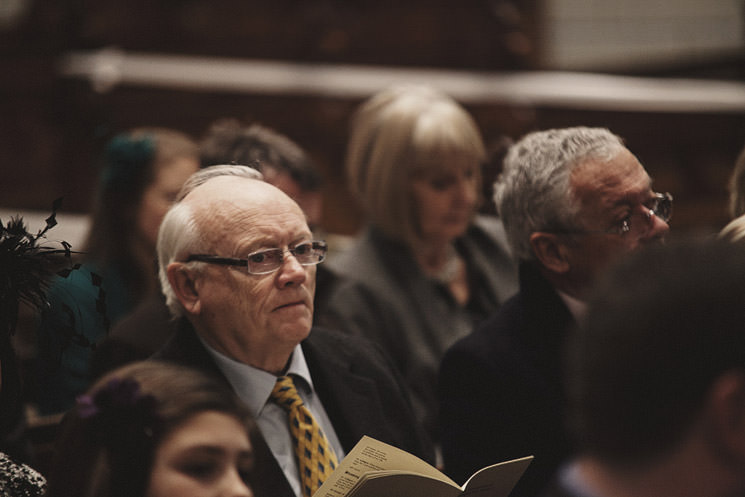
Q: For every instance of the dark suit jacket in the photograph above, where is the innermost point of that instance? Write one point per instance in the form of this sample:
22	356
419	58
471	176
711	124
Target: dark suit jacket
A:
500	388
143	331
361	391
136	337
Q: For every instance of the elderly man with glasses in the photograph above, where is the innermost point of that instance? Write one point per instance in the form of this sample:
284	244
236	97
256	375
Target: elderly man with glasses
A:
237	264
572	201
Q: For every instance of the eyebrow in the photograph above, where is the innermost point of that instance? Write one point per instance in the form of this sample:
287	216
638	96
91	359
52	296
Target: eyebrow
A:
216	450
626	199
270	242
203	449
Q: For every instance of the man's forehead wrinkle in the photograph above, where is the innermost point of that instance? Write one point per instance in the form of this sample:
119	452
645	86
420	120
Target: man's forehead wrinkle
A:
246	223
211	222
238	210
612	182
589	182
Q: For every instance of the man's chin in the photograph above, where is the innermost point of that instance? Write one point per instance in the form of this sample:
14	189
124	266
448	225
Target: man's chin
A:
297	330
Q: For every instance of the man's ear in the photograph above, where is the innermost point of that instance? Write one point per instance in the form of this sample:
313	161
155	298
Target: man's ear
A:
184	284
726	405
550	251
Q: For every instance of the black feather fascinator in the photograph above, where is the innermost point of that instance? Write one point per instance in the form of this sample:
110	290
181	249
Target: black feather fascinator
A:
27	264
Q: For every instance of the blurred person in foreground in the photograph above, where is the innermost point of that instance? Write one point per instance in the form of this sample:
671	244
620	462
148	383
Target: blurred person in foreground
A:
572	201
427	268
237	265
656	378
154	430
736	187
735	228
143	170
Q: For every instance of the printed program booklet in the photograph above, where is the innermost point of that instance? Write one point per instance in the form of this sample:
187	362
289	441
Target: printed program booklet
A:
374	469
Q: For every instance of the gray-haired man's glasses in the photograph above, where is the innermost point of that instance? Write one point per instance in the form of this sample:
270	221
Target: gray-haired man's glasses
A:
659	206
269	260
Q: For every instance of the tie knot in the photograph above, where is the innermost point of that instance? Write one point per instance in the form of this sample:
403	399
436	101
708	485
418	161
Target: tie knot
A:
285	393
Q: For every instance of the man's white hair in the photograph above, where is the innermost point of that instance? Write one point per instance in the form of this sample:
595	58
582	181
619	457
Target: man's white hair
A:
179	234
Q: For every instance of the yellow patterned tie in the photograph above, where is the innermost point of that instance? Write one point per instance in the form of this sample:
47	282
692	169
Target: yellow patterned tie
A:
315	458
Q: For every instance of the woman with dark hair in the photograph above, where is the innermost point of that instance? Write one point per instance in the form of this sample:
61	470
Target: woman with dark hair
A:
154	429
143	171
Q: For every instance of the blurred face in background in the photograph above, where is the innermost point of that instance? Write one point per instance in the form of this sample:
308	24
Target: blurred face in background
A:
311	202
445	199
160	194
208	455
609	193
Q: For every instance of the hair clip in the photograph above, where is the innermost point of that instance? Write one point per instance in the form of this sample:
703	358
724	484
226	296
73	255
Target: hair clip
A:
126	157
120	410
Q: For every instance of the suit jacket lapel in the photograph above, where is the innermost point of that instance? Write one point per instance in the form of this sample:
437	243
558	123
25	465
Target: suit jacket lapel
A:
345	395
267	478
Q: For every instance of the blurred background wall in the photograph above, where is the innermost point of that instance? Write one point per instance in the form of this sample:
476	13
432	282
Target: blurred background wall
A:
669	76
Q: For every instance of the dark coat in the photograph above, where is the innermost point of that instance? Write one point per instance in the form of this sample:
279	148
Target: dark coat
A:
388	299
500	388
359	387
143	331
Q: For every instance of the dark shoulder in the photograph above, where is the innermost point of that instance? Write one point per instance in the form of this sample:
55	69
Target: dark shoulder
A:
488	228
327	340
182	346
496	332
344	352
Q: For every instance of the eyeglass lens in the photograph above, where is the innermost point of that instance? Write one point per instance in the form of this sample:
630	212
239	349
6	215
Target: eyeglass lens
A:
269	260
661	208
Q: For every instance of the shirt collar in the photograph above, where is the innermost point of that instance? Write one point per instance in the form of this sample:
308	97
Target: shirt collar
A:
578	308
253	385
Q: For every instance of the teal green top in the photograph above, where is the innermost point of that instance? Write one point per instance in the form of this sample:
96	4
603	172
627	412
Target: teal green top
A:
82	308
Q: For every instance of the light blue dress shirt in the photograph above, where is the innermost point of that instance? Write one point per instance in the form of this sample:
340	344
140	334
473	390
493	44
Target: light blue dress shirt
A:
254	387
571	478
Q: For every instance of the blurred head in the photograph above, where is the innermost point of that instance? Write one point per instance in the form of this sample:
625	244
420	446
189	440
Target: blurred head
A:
205	174
210	241
734	230
736	187
661	357
143	171
414	160
283	163
206	456
573	200
154	429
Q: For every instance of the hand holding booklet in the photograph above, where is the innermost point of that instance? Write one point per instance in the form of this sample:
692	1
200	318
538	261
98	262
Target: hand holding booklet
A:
374	469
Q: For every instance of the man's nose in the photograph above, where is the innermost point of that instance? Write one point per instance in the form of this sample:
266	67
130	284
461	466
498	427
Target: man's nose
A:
236	487
290	270
656	226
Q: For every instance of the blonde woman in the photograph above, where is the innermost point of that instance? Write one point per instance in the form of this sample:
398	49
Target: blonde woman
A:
427	267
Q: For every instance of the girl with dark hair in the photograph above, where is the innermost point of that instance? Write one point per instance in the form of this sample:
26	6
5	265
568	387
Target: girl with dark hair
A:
154	429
